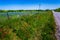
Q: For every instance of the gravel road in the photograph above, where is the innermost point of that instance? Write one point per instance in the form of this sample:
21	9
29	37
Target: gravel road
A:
57	20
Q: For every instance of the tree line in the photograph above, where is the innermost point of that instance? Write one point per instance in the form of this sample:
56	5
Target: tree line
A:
58	10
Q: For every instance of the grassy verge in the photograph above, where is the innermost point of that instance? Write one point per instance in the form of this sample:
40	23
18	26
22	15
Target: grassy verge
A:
40	26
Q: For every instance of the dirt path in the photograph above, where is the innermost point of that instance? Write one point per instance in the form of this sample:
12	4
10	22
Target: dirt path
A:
57	20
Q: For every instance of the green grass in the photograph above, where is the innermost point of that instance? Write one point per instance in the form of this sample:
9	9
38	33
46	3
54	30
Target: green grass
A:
40	26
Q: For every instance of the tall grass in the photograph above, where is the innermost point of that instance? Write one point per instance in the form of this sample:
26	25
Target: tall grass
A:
40	26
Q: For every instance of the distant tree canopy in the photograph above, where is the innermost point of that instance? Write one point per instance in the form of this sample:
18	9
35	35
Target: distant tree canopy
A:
58	10
11	10
47	10
18	10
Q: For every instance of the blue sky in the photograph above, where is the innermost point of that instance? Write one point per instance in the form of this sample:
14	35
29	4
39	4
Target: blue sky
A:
28	4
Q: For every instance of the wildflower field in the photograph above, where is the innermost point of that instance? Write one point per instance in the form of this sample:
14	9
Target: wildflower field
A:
39	26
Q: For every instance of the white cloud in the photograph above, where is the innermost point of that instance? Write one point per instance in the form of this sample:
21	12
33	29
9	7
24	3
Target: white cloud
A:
49	6
29	7
19	7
